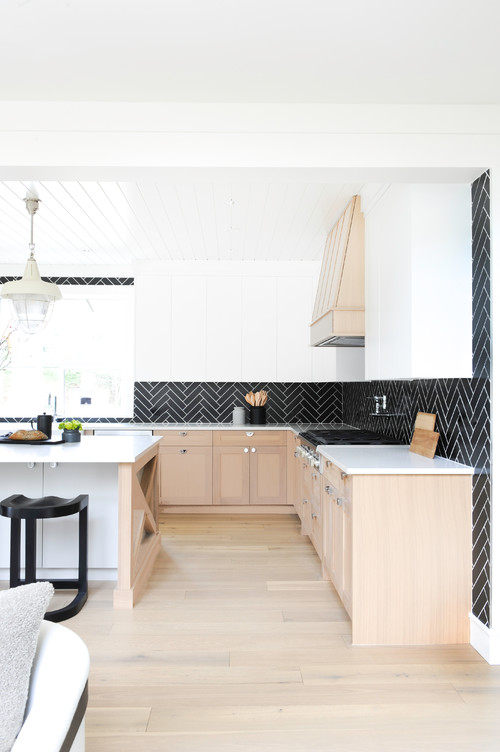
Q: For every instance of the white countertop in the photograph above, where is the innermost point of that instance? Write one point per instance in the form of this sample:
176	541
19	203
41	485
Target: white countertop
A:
90	449
389	460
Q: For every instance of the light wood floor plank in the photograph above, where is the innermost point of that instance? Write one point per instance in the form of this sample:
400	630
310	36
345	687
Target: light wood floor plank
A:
240	645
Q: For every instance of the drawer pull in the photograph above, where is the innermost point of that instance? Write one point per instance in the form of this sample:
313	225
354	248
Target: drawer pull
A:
340	501
329	490
246	450
254	449
314	516
250	433
183	433
304	501
182	451
343	476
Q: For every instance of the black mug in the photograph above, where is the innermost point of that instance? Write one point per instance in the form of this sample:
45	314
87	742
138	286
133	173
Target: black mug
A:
43	424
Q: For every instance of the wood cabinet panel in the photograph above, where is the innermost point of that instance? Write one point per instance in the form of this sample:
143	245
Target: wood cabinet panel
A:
399	555
186	475
184	437
231	481
249	438
268	475
316	512
337	478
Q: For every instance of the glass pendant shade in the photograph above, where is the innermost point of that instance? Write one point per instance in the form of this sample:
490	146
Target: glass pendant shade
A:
31	299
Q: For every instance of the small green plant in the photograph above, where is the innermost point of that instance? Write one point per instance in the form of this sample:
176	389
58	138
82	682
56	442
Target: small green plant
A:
70	425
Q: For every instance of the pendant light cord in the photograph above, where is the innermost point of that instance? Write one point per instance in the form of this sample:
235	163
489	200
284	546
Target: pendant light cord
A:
32	245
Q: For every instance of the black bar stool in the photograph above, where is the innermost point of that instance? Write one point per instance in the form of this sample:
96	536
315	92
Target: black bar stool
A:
19	507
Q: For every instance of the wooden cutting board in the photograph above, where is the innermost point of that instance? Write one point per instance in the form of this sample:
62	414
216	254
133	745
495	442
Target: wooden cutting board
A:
427	421
424	442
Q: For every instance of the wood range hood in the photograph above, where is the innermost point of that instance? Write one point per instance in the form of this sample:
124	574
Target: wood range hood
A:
339	311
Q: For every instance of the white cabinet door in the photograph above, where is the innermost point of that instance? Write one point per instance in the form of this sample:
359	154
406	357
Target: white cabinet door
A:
418	258
60	536
17	478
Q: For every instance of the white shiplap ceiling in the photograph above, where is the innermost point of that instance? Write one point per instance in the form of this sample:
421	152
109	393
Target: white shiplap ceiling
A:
126	222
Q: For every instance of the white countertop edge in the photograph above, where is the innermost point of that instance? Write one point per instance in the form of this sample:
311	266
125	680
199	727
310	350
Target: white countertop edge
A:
389	460
91	449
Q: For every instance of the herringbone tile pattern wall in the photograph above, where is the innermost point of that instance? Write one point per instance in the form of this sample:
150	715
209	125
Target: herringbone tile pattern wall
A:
115	281
213	402
462	405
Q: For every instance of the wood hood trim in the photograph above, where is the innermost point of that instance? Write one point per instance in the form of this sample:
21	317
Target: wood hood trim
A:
340	299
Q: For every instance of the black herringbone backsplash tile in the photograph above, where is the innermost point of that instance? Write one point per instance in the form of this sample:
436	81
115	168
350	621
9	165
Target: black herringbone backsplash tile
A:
213	402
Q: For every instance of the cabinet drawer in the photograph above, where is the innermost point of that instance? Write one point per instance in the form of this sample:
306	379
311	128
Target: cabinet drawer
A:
181	437
249	438
336	477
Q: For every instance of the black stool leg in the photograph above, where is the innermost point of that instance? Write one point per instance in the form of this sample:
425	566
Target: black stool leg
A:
83	551
30	551
15	552
66	612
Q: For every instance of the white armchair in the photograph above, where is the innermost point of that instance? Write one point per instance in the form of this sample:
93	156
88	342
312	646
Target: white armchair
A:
57	699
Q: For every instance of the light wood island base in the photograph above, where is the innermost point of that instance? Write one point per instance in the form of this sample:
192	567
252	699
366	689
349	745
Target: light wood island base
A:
138	539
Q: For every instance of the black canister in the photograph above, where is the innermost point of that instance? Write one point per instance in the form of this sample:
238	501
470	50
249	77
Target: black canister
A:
44	424
257	415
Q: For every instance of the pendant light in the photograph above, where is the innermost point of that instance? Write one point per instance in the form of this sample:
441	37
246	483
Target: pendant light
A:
32	299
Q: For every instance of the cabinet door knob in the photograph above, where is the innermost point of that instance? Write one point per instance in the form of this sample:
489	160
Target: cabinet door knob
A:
183	433
254	449
246	450
30	465
329	490
340	501
343	476
250	433
304	501
182	451
52	464
314	516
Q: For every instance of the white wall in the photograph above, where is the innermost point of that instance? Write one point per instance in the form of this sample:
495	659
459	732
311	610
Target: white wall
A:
419	282
232	321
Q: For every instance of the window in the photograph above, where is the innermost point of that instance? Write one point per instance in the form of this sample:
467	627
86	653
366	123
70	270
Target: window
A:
84	358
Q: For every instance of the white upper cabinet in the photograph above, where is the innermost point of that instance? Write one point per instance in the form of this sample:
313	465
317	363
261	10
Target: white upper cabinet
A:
232	321
418	252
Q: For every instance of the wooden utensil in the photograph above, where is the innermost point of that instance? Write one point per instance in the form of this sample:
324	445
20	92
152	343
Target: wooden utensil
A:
424	442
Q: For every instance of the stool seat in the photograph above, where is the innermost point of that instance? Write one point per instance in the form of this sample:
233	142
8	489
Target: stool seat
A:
24	508
18	507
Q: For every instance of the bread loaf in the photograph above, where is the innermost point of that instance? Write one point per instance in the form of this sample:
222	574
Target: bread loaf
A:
23	435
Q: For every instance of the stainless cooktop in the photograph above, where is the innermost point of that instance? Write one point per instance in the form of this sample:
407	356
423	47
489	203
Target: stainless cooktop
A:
346	436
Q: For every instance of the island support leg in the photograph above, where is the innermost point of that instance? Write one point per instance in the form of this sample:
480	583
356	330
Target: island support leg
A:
139	539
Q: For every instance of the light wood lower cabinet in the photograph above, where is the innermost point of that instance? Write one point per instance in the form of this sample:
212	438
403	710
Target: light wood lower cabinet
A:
337	542
186	475
231	475
249	475
250	472
398	551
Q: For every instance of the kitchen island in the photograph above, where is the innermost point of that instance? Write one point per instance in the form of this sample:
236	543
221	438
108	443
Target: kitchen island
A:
120	474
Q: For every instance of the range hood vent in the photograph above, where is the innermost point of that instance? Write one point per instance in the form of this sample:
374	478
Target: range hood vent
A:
339	310
342	342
